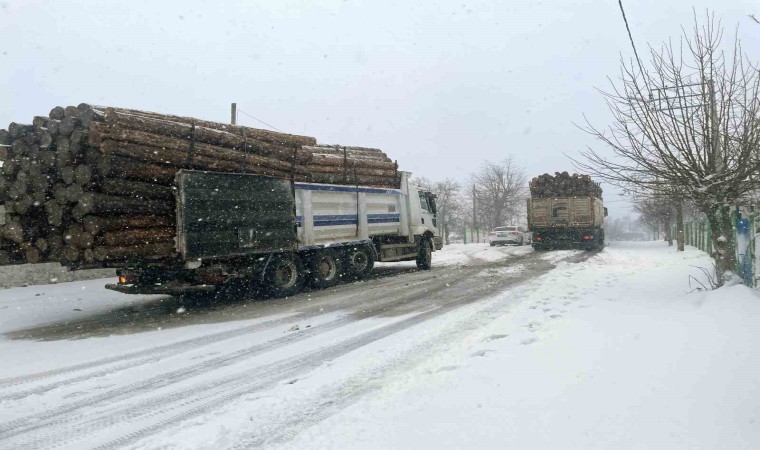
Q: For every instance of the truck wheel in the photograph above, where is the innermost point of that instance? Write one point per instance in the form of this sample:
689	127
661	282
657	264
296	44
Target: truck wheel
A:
359	262
425	255
326	269
284	275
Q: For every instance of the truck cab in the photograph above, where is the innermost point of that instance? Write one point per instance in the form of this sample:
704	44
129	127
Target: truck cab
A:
424	213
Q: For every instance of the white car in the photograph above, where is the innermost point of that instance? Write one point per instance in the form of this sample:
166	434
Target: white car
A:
511	235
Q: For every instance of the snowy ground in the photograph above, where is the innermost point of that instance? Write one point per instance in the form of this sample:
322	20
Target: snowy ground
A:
25	307
494	348
613	353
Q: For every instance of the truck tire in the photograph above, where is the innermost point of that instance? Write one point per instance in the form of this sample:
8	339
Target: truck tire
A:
425	255
359	261
326	269
284	276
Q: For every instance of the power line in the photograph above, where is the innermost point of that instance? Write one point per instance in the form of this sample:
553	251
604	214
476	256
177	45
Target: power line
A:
630	37
259	120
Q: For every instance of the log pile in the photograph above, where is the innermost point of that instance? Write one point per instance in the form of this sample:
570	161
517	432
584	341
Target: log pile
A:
564	185
92	186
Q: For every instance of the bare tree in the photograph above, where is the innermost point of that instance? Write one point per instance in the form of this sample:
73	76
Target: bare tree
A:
657	213
689	125
500	190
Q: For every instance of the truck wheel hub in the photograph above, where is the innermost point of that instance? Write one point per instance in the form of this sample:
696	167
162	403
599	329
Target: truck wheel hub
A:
359	260
286	275
327	269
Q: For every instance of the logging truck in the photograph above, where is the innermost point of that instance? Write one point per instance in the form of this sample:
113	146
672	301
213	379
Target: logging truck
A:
278	234
566	222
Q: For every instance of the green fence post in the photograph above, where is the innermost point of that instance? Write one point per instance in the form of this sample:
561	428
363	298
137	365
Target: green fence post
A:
751	250
735	230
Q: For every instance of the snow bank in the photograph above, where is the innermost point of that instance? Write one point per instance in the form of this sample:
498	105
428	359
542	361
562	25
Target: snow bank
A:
612	353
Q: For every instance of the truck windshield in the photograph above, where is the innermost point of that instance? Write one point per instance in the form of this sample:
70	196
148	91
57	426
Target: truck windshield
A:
424	201
431	201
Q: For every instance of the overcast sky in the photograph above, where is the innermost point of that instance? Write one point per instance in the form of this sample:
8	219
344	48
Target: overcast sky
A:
439	85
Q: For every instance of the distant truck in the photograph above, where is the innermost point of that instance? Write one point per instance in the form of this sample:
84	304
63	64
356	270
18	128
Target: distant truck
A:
567	222
273	233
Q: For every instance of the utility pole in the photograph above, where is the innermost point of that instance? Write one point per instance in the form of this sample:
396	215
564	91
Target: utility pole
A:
474	216
233	114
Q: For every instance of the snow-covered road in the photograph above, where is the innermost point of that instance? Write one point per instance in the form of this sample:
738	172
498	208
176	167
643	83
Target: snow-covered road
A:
133	371
494	348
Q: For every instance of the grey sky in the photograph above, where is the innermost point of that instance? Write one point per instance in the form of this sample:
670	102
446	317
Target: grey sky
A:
439	85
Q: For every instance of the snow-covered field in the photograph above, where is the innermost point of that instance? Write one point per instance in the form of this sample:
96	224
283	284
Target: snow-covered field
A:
610	352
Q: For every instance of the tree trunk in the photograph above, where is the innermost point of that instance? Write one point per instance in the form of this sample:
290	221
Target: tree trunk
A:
123	238
94	203
215	161
273	137
724	247
117	167
145	251
679	226
96	224
200	134
668	233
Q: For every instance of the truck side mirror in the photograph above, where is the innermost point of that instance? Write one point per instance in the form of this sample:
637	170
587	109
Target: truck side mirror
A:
605	212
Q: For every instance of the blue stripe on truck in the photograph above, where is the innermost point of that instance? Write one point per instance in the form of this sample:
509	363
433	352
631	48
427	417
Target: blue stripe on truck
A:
322	187
349	219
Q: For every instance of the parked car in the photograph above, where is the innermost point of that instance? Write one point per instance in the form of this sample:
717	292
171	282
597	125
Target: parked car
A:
511	235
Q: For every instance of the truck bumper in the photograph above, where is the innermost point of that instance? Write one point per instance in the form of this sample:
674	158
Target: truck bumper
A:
566	237
161	289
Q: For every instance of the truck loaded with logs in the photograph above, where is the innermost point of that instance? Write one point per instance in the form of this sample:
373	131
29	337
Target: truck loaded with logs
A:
182	205
566	211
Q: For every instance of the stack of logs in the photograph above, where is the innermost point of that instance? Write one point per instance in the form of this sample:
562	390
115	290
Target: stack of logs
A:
91	186
564	185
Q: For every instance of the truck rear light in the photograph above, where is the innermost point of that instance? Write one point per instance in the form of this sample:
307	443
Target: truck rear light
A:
587	237
513	233
127	277
492	234
538	238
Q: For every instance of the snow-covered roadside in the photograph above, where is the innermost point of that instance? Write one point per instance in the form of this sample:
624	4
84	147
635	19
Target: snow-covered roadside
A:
612	353
24	307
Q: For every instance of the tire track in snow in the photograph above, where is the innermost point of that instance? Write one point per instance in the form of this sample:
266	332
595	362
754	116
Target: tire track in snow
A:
313	360
146	356
334	399
37	421
205	396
